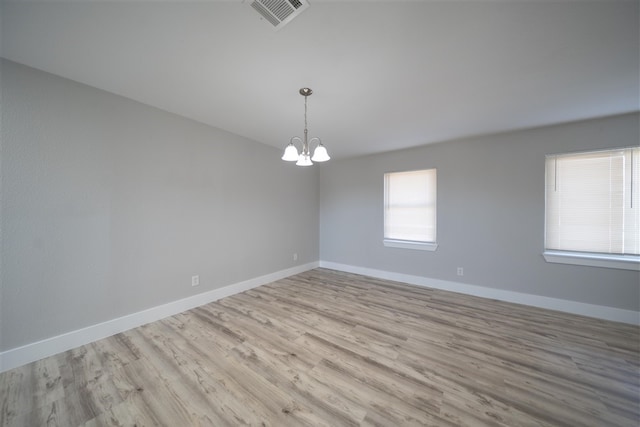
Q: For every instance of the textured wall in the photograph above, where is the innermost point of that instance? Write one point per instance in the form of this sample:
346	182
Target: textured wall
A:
110	206
490	215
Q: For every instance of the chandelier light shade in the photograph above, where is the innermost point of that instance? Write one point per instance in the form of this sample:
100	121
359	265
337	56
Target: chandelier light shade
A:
304	157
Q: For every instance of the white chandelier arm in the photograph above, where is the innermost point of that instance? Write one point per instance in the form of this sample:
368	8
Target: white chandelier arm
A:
291	152
320	153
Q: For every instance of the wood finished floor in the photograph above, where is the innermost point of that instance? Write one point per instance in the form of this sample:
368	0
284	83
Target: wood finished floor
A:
326	348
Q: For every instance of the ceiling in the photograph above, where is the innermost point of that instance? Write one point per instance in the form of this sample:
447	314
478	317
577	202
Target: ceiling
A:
385	74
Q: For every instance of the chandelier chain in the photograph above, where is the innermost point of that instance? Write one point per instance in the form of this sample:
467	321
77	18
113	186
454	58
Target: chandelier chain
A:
305	113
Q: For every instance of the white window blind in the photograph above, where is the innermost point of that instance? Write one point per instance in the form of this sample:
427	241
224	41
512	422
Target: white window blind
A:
410	206
593	203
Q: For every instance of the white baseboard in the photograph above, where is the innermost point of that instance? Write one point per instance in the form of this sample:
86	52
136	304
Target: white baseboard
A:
35	351
574	307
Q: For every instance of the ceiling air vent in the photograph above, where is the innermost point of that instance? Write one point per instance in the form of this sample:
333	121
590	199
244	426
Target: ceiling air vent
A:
279	12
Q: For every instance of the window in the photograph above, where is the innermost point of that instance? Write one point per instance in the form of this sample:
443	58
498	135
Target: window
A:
410	209
592	208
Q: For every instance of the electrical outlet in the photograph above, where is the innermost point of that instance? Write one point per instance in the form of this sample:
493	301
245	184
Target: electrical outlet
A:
195	280
295	256
460	271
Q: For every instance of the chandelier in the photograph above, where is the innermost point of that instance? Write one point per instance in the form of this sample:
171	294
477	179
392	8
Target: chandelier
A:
304	158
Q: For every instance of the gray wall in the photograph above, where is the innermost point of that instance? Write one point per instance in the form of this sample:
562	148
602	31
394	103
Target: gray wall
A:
110	206
490	213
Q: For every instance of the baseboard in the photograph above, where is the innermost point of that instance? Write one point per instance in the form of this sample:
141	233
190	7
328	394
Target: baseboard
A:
574	307
35	351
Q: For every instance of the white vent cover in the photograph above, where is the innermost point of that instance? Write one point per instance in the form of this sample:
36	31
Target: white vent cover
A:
279	12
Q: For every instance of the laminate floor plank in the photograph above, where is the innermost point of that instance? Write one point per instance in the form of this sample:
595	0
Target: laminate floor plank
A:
382	408
321	399
328	348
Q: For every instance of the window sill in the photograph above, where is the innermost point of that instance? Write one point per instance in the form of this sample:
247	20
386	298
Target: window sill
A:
622	262
408	244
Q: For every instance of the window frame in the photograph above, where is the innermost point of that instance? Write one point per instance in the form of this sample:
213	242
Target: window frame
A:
410	244
592	259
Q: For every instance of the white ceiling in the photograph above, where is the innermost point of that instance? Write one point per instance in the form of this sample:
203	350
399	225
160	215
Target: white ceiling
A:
385	74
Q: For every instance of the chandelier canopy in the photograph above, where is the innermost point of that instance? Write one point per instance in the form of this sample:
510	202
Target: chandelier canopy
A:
304	158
